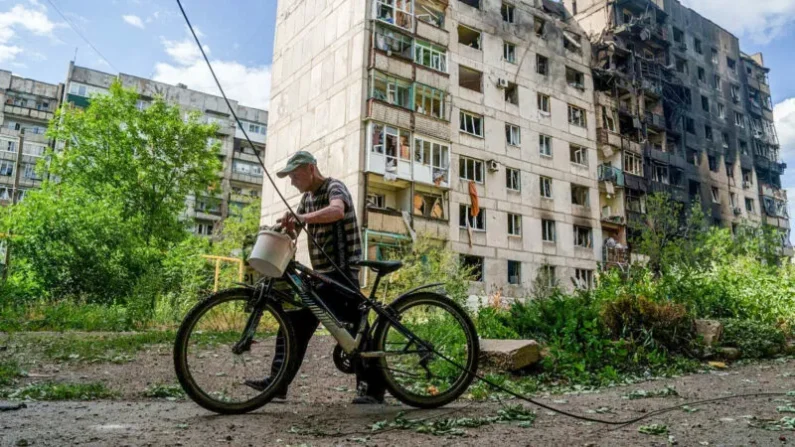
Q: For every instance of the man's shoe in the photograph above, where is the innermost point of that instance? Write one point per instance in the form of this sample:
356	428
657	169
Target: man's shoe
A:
261	385
367	400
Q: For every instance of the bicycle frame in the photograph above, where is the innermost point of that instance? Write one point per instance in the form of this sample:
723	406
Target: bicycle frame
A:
309	299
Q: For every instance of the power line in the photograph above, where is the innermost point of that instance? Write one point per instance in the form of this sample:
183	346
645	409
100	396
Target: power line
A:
74	28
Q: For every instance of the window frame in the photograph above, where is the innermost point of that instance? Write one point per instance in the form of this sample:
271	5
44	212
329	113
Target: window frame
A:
513	135
588	232
548	231
545	187
463	162
462	125
476	223
514	224
582	121
436	55
513	179
542	138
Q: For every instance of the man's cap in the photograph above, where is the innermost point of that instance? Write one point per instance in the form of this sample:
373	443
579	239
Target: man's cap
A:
299	158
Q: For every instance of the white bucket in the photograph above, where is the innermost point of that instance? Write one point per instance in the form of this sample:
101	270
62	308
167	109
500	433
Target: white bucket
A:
271	254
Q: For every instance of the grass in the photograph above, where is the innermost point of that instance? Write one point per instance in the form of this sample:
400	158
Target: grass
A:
116	348
9	371
59	391
169	392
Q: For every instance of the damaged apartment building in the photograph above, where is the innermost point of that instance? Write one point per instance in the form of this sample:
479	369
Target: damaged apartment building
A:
681	110
239	182
467	121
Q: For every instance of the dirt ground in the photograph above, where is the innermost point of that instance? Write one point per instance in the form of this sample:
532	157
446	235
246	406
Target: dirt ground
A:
319	400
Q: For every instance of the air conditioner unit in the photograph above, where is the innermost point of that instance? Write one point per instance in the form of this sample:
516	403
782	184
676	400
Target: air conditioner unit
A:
502	83
493	165
737	211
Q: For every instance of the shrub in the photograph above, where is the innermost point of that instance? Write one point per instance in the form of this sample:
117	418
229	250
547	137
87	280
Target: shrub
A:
753	339
643	322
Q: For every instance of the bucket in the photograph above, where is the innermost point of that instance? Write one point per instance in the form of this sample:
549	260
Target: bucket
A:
271	254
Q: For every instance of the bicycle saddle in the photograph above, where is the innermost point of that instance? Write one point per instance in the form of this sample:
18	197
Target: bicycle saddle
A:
382	267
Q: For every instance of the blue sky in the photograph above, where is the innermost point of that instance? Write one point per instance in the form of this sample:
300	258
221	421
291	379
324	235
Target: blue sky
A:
147	38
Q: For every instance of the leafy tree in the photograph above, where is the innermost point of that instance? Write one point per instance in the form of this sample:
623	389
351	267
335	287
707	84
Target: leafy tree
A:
152	158
238	233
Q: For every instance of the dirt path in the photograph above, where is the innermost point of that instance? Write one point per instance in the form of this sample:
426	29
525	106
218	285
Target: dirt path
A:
319	401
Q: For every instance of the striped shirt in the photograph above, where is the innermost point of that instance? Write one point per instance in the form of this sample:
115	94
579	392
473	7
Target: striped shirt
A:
340	239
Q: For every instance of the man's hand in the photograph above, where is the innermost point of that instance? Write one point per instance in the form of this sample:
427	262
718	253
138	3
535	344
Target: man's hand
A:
289	222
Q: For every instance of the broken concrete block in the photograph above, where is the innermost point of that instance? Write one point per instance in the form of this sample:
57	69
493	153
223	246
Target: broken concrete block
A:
728	353
509	355
710	331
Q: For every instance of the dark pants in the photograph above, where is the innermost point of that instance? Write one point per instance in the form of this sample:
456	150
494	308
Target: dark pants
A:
305	323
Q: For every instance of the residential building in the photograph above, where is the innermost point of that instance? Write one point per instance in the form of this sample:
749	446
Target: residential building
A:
418	105
240	180
680	109
27	106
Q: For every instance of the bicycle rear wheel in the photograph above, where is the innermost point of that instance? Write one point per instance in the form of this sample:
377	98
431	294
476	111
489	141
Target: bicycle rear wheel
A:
211	372
412	372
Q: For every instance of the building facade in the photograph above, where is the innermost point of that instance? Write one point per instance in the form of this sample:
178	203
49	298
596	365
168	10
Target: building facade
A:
27	107
681	110
241	178
421	106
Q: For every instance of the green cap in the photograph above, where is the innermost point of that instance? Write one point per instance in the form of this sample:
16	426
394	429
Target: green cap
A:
299	158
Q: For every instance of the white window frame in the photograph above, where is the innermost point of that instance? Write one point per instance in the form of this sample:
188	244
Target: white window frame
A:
436	156
751	208
548	231
255	168
473	169
721	111
739	120
392	5
508	13
8	145
29	171
633	164
437	56
545	145
6	166
588	232
395	89
549	271
578	155
543	102
513	135
715	195
587	195
545	187
426	96
467	122
513	179
514	225
577	116
477	223
661	174
583	278
509	52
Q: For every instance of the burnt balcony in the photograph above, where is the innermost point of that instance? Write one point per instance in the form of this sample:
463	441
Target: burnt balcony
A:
655	120
611	174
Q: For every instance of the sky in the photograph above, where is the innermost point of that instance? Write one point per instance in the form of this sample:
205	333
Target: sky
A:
148	38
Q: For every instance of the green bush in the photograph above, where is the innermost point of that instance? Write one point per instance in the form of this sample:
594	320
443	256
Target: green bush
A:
753	339
643	322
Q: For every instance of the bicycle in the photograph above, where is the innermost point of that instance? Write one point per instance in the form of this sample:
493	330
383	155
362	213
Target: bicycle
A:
423	343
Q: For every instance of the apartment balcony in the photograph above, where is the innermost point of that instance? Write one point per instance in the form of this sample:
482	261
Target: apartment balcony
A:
247	178
773	192
27	112
386	221
754	107
611	174
651	87
655	121
617	256
432	33
605	136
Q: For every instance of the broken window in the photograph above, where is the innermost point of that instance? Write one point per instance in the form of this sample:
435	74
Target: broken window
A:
679	36
749	205
391	142
471	123
539	25
578	155
681	65
633	164
702	74
725	139
660	174
747	178
469	78
514	224
543	103
548	230
743	147
514	272
576	116
739	120
542	65
582	237
721	111
716	82
697	45
429	101
391	90
512	94
545	145
430	55
677	176
509	52
469	37
242	167
708	133
546	187
472	3
731	63
575	78
395	12
715	195
579	195
429	206
513	135
508	12
470	169
431	11
571	42
735	92
513	179
583	278
432	154
692	156
608	119
466	219
635	201
715	56
690	125
474	265
392	42
376	201
712	161
705	103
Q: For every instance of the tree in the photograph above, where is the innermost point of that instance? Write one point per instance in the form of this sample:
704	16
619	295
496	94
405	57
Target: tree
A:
239	232
151	158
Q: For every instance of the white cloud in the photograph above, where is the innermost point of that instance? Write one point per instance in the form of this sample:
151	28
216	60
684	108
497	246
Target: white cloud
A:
8	53
21	17
784	114
185	51
133	20
761	21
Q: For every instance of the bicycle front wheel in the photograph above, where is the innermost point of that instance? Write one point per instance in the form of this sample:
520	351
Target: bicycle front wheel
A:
413	373
211	365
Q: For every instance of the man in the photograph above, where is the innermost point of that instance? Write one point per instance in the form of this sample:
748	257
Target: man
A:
328	212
